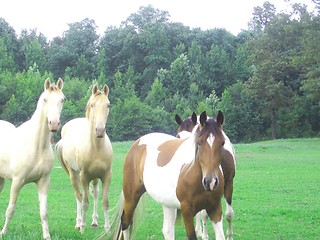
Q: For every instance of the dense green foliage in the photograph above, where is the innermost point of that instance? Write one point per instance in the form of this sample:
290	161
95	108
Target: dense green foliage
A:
266	79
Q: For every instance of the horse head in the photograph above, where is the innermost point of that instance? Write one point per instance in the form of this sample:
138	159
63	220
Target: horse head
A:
98	108
51	103
209	141
185	125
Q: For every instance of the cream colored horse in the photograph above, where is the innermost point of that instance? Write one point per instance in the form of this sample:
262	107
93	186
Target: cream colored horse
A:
85	152
26	154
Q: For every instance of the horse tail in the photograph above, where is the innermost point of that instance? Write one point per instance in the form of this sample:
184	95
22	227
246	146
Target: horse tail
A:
59	155
138	216
115	232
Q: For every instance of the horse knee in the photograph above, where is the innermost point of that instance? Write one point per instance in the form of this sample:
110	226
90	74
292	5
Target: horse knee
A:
125	223
10	210
2	180
168	233
229	212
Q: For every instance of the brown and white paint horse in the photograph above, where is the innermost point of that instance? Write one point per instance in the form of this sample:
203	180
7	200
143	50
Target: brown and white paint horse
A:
178	174
26	154
228	165
85	153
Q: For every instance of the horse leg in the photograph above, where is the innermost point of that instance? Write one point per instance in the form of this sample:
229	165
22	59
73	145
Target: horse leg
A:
2	180
105	201
74	179
85	200
204	219
95	195
228	190
169	218
188	216
216	219
43	188
16	186
131	199
198	225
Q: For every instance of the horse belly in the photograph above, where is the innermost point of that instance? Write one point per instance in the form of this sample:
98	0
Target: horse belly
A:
161	185
160	182
6	139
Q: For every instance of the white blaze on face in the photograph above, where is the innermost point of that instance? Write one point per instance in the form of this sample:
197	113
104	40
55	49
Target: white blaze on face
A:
210	139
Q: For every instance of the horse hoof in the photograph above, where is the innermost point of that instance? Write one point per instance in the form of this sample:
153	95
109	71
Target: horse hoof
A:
94	225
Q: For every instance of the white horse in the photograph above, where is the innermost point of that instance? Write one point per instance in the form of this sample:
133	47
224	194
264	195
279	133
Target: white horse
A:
26	154
85	153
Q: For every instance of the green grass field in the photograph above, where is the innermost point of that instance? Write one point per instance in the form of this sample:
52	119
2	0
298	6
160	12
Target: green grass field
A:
276	196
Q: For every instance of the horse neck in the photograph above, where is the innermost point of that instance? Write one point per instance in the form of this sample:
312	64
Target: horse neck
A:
39	128
94	140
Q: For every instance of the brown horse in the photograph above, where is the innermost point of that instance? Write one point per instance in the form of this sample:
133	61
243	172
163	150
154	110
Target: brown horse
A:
228	165
85	153
186	125
178	174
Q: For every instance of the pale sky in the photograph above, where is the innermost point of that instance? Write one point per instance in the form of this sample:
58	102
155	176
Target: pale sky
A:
52	17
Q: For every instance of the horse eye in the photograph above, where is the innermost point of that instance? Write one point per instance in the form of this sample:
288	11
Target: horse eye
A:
92	105
45	100
108	105
223	143
199	143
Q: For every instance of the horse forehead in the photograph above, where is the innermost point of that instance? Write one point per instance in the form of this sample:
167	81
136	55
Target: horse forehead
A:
52	96
100	99
210	139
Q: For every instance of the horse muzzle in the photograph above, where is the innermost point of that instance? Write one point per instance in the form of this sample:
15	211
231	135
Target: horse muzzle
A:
54	125
210	184
100	132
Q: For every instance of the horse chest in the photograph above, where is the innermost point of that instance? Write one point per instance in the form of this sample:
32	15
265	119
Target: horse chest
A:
33	165
93	161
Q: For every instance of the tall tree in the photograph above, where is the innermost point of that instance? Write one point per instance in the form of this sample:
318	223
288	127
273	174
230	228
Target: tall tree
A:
77	49
9	48
33	47
262	16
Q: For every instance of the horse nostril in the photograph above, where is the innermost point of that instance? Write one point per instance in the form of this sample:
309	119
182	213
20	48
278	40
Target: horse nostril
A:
216	183
206	183
210	184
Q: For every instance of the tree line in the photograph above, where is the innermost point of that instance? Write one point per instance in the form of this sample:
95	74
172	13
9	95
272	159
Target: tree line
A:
266	79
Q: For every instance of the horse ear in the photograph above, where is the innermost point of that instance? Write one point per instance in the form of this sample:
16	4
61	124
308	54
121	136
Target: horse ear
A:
47	83
194	118
60	83
178	119
95	89
220	118
106	89
203	118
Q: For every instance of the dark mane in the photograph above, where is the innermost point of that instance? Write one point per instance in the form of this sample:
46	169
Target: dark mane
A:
211	127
